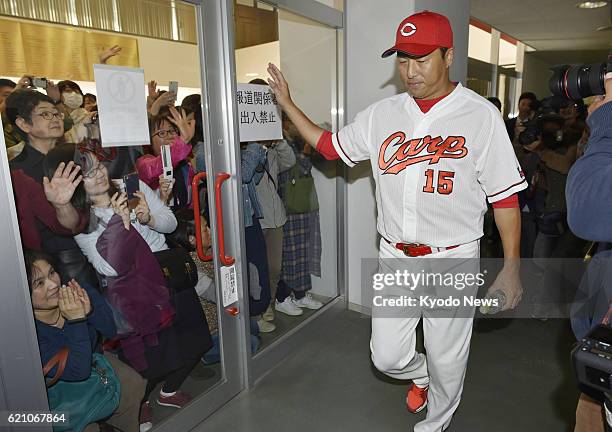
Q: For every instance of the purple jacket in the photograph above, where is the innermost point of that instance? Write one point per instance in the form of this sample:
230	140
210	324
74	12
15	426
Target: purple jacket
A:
139	292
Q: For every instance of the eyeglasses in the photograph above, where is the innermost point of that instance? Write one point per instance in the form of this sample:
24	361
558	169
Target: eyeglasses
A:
49	115
93	173
165	133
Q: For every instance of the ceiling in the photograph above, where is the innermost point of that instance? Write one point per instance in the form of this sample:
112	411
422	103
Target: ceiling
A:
557	29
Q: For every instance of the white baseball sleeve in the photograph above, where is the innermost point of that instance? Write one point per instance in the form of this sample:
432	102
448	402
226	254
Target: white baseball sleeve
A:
497	168
351	142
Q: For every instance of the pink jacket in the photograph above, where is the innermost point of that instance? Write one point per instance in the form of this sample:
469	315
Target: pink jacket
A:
150	167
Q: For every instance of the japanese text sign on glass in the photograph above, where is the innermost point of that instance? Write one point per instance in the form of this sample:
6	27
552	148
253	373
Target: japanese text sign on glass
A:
259	115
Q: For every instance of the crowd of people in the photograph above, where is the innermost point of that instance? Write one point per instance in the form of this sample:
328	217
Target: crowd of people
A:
110	242
548	136
114	272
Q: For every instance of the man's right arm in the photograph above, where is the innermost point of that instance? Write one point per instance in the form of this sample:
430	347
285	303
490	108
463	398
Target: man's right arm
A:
589	183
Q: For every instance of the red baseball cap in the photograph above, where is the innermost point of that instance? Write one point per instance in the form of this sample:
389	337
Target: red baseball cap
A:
421	34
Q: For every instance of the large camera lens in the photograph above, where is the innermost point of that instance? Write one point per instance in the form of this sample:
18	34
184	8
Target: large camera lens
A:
578	81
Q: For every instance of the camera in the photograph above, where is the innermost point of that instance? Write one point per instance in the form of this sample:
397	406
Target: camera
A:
579	81
592	364
534	130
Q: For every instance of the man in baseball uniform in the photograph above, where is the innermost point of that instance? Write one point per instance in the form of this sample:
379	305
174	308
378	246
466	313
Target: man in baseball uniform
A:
438	152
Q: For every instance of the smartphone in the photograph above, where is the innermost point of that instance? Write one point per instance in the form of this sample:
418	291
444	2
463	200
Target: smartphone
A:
39	82
167	161
131	186
173	87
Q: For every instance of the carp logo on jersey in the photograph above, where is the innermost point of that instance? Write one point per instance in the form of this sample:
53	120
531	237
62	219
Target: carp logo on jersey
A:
397	153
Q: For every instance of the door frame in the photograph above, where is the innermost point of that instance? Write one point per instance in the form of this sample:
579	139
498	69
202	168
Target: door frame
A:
22	385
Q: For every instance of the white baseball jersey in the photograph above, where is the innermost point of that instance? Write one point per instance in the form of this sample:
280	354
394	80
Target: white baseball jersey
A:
434	171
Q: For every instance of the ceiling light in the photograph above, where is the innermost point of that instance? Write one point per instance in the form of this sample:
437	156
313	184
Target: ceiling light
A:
591	4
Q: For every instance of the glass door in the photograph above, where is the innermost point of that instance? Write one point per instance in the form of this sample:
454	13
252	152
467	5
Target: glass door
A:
198	351
295	252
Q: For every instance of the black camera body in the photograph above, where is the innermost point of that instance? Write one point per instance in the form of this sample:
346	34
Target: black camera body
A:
592	359
580	81
534	131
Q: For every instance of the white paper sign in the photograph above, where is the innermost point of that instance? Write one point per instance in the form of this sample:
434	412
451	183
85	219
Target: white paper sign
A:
122	106
259	116
228	285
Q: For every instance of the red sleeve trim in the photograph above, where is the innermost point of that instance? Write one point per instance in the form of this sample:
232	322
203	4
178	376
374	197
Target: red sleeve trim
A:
325	146
508	188
508	202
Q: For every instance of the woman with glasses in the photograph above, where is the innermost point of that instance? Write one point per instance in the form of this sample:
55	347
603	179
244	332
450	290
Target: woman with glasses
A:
172	128
161	335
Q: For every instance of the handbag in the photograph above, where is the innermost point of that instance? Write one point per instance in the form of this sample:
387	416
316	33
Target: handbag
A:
87	401
178	268
300	192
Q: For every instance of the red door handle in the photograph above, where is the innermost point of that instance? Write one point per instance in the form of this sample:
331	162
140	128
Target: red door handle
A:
225	259
195	198
233	311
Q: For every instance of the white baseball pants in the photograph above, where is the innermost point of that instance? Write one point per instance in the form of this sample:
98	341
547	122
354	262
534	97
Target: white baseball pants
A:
447	342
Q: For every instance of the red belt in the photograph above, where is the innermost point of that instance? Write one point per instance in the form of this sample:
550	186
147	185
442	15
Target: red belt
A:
417	249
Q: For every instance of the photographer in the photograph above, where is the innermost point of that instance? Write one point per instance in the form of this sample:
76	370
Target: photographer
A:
556	152
527	108
589	189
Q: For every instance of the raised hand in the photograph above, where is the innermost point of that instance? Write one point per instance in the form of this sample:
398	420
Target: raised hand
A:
143	214
61	187
186	127
600	100
24	82
165	188
53	91
152	87
279	86
165	99
81	295
70	305
119	204
108	53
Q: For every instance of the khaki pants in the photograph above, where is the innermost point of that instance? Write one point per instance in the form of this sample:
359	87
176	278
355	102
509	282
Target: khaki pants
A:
126	417
589	416
274	248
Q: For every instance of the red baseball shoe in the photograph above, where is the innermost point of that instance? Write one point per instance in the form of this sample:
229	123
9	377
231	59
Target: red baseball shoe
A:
416	399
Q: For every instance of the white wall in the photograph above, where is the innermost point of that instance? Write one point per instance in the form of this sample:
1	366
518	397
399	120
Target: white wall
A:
536	73
252	62
370	29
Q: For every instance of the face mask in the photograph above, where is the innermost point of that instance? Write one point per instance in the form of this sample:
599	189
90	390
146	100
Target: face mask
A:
72	100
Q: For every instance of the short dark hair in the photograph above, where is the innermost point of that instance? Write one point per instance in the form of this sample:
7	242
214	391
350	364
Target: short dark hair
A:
258	81
91	96
21	103
192	103
30	257
185	227
495	101
156	121
532	98
63	85
66	153
442	50
4	82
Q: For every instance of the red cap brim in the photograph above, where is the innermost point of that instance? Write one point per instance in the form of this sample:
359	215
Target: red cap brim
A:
416	50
